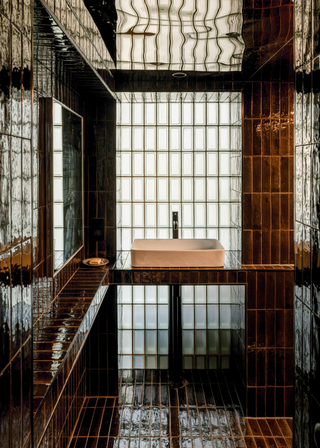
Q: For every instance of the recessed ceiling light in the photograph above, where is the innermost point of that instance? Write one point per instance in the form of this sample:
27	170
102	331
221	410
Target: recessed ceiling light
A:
179	75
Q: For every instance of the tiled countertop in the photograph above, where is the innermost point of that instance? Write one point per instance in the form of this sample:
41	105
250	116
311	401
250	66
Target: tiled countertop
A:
123	272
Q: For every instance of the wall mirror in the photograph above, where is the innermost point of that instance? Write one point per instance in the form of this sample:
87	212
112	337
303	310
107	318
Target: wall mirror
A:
62	183
67	184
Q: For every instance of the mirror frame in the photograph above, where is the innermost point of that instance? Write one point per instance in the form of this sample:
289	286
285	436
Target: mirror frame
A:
46	186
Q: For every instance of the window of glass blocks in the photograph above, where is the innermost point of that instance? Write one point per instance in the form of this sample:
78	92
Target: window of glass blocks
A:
179	152
209	313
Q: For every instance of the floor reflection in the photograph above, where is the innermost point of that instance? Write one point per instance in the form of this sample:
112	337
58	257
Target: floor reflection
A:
148	413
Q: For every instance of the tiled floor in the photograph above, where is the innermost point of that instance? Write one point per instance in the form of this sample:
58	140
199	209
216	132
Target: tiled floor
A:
149	414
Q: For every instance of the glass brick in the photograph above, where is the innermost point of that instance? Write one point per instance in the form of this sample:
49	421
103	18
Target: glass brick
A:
175	164
150	167
199	139
150	139
57	138
187	215
187	342
187	315
212	113
200	342
187	189
175	194
213	342
57	165
175	136
138	189
125	138
138	215
138	317
138	294
212	188
150	293
162	113
163	189
224	164
213	316
138	342
163	316
175	110
137	113
151	342
126	348
224	137
163	218
212	164
162	164
187	139
125	113
125	164
225	342
212	138
200	214
200	189
199	116
150	189
162	139
150	214
137	138
200	292
199	162
138	362
57	113
125	189
186	113
187	293
187	164
200	316
126	215
224	113
225	316
224	214
58	189
150	114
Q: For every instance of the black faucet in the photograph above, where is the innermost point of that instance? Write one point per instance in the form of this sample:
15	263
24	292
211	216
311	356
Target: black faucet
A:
175	225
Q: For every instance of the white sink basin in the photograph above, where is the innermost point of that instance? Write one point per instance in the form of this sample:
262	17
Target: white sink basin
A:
167	253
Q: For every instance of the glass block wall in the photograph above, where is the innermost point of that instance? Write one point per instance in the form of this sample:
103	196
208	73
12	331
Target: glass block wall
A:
179	152
207	310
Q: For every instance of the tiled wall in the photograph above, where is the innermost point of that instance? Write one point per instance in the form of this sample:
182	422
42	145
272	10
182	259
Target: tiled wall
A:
268	172
26	289
100	179
102	349
16	231
307	225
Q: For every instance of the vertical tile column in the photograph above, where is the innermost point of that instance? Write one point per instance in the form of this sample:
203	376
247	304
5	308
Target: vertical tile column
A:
102	349
100	178
268	173
270	343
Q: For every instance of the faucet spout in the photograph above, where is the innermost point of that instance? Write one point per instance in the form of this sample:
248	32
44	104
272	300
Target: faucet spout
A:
175	234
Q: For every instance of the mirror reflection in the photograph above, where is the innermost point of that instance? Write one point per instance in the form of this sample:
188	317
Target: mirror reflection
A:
67	182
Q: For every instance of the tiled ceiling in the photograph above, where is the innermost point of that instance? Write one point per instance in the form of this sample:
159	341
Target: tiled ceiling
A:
189	35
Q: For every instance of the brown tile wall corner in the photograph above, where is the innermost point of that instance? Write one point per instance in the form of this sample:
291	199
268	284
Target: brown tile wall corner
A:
270	344
267	172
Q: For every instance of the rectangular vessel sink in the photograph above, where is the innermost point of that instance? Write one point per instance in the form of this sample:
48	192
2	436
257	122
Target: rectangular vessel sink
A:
174	253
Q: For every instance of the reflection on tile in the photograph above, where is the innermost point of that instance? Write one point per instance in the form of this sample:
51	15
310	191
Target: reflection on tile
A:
180	423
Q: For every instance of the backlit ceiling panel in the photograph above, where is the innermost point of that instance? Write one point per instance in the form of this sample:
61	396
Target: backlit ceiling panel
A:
180	35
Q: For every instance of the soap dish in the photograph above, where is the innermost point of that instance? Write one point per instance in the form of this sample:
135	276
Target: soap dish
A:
95	262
